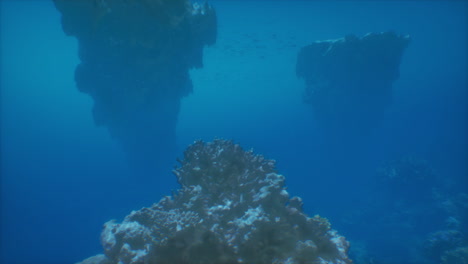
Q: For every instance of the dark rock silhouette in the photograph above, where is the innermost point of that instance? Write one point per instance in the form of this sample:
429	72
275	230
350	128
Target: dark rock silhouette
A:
349	80
135	57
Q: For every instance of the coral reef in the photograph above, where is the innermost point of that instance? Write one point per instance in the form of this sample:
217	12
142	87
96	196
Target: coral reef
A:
414	211
450	243
409	175
349	80
135	61
439	242
456	256
232	207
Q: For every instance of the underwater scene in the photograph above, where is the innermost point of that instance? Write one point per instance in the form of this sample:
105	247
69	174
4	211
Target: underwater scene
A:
230	131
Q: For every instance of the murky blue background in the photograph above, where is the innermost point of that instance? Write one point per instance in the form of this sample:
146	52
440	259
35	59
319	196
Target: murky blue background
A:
62	177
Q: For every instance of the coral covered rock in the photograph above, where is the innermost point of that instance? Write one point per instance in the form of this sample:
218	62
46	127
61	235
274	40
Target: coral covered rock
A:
349	80
135	61
232	207
456	256
414	211
408	175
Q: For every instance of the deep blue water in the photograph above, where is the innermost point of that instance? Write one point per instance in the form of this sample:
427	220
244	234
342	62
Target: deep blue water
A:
62	177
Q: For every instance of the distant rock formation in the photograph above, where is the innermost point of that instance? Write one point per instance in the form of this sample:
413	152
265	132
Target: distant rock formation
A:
135	57
349	80
459	255
232	208
414	211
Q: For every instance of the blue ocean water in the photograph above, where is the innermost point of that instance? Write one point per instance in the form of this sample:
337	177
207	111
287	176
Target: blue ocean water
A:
62	177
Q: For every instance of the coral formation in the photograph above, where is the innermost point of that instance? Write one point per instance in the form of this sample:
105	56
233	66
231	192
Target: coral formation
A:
232	207
406	176
426	220
349	80
456	256
450	243
442	241
135	61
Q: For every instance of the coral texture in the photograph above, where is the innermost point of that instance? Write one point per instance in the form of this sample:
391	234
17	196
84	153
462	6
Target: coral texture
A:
456	256
232	207
349	80
425	215
135	61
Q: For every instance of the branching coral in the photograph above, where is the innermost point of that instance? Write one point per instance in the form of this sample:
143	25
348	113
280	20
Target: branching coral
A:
232	207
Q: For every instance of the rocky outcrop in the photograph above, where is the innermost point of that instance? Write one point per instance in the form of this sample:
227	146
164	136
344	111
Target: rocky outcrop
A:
349	80
135	61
